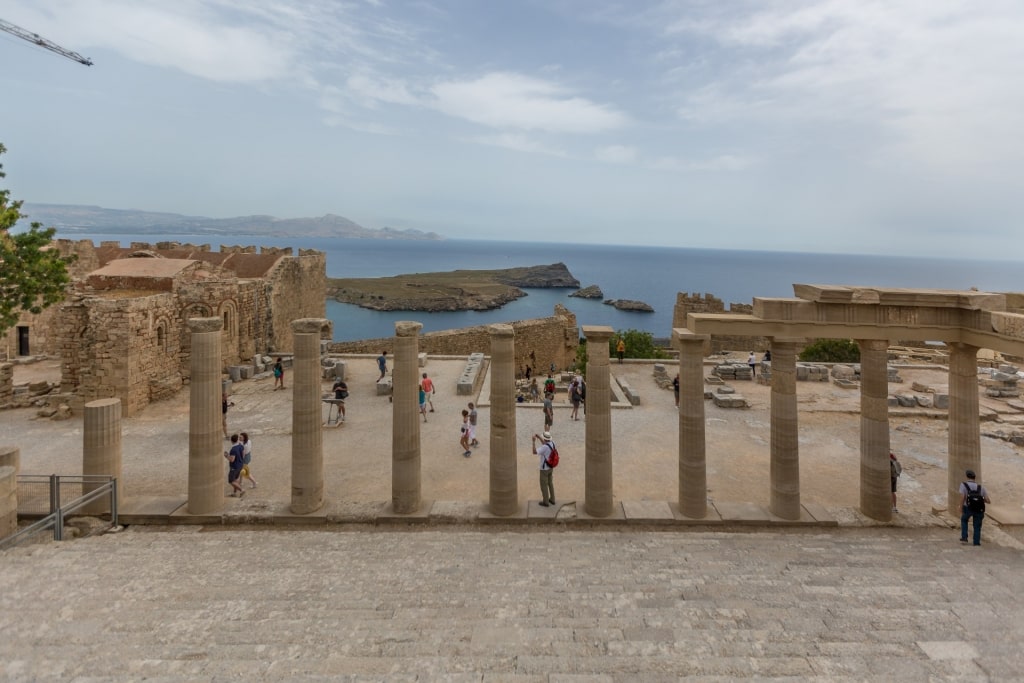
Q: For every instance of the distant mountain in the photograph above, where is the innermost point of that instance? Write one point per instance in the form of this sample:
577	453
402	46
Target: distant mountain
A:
72	219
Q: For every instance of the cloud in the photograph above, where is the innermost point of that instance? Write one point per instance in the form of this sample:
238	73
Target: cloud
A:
506	100
616	154
519	143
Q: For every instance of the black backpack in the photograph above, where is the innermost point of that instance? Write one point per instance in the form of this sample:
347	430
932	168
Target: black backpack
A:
975	500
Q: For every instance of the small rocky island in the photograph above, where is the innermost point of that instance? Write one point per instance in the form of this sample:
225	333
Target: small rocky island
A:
629	305
459	290
589	292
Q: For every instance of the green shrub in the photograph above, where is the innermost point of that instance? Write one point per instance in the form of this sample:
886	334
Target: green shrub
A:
831	351
638	344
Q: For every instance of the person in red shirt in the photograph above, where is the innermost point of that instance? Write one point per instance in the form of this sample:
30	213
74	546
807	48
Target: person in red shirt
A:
428	388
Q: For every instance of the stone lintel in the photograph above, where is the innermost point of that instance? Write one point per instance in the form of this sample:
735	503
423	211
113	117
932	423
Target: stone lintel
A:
900	296
309	325
407	328
598	333
501	330
205	324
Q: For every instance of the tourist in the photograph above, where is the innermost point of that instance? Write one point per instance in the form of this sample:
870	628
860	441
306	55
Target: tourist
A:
675	388
549	385
472	425
246	458
547	482
235	460
423	401
752	362
973	498
382	364
224	405
895	470
529	371
767	356
549	410
464	435
583	394
574	398
428	387
340	390
278	375
534	390
620	349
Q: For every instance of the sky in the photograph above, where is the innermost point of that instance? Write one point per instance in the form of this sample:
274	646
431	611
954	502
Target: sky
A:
859	126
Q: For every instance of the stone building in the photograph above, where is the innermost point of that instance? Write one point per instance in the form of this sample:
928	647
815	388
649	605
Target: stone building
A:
123	330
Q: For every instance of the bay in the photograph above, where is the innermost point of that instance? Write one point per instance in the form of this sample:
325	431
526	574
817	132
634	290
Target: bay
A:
650	274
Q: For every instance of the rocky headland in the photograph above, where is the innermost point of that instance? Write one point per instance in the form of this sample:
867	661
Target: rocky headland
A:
459	290
589	292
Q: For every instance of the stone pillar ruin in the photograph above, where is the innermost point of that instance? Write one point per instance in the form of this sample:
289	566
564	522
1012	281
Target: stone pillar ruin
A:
206	464
785	446
405	434
693	477
504	469
101	448
598	488
875	486
307	435
10	464
964	428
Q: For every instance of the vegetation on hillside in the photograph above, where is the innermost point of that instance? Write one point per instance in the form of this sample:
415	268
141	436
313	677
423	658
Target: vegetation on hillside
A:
831	351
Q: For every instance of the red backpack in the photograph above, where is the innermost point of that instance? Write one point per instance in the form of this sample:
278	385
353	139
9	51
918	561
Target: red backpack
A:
552	459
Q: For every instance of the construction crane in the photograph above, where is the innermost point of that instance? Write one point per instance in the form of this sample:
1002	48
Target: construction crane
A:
42	42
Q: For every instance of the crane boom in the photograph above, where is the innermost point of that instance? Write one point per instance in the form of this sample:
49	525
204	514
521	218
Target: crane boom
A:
42	42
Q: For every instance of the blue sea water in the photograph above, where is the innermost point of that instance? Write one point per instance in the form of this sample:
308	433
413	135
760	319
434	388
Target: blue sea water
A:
650	274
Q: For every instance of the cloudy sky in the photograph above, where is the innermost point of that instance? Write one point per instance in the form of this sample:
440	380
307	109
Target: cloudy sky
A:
838	125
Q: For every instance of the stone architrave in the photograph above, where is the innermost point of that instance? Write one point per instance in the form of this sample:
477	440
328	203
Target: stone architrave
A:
504	470
101	448
598	475
307	434
693	477
875	486
785	448
206	464
964	429
405	435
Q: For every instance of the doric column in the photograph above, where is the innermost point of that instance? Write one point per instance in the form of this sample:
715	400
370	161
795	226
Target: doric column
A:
101	448
964	430
785	449
875	487
598	487
503	467
307	434
405	434
10	456
206	464
693	473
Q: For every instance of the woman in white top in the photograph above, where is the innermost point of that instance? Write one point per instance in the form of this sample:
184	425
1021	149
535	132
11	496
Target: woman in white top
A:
247	458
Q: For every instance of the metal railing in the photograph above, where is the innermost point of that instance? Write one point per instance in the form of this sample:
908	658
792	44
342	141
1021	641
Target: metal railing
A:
41	494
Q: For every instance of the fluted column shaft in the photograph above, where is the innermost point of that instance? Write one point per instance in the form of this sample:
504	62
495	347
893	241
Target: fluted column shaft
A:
785	447
504	470
206	464
964	429
10	463
307	434
875	487
599	480
693	473
101	448
405	435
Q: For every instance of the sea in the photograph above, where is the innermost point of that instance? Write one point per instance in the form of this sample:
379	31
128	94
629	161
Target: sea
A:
650	274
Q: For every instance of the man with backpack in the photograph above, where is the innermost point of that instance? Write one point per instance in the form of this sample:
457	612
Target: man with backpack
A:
548	462
973	497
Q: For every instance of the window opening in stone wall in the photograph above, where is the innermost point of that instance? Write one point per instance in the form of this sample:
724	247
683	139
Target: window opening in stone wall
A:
161	341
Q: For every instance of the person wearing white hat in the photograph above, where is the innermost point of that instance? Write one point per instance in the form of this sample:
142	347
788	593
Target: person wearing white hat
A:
547	484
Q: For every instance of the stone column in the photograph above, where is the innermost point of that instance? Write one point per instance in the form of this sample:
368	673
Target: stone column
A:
10	465
10	456
405	434
964	429
785	448
206	463
101	448
503	466
598	486
693	473
307	434
875	487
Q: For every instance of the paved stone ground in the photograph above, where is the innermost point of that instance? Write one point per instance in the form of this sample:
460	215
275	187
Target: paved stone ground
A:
508	604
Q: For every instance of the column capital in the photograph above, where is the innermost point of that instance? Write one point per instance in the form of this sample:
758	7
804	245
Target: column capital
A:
874	344
681	335
102	402
407	328
205	324
309	325
501	330
597	333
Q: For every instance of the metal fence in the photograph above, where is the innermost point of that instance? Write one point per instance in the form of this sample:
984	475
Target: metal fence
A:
54	497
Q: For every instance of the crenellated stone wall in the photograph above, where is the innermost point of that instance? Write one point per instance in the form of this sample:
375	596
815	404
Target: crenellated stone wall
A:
539	342
296	290
696	303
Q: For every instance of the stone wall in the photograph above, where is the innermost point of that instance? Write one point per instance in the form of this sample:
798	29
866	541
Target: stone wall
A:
539	342
6	382
695	303
297	289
